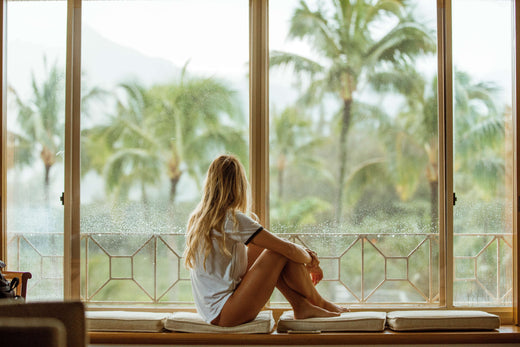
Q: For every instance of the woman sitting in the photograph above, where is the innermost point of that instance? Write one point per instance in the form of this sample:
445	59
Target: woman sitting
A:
235	263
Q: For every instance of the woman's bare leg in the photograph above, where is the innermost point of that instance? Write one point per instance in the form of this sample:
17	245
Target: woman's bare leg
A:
297	278
305	288
302	308
254	291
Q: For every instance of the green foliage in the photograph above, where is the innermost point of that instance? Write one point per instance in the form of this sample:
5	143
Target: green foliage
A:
386	164
350	56
164	131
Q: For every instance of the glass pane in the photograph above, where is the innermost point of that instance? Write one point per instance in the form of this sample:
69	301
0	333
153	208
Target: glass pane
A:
354	143
164	90
483	33
36	56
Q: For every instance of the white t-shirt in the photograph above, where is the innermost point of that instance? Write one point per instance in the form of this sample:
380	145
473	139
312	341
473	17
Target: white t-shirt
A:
214	285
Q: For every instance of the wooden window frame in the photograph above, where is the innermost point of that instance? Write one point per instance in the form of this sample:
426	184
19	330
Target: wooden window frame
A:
259	148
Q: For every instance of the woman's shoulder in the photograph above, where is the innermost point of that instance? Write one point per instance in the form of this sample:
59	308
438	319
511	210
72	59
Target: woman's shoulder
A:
240	221
240	216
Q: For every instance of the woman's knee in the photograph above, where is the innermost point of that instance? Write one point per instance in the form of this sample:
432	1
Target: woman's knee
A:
274	257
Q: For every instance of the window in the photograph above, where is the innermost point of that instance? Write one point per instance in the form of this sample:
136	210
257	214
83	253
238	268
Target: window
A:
353	138
362	166
35	142
483	153
155	112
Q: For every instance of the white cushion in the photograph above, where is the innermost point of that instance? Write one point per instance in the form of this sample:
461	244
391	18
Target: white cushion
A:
190	322
125	321
348	321
442	320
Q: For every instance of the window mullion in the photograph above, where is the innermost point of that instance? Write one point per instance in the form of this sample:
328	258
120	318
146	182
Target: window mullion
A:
516	197
445	104
3	129
258	108
72	252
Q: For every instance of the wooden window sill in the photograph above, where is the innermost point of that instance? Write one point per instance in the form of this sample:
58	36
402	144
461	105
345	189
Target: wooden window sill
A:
506	334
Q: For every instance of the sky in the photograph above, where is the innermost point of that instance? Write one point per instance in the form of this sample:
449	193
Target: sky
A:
218	30
213	35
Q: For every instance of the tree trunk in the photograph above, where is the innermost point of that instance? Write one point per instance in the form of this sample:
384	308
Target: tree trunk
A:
345	126
46	183
174	174
173	187
281	169
144	196
48	158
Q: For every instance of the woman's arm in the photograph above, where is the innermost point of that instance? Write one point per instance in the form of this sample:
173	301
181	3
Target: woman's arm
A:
292	251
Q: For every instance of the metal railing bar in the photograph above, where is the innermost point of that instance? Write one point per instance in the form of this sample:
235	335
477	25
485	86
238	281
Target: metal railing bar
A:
99	289
155	269
374	290
349	290
419	291
485	289
418	246
144	245
17	239
143	289
168	246
349	247
363	269
169	288
373	245
101	247
486	247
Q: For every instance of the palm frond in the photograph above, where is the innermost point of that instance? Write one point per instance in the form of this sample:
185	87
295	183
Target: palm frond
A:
314	27
299	63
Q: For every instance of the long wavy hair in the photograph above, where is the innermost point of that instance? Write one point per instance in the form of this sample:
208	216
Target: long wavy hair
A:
225	190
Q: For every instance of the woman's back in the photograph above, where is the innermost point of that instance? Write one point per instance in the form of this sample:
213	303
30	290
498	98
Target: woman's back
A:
215	279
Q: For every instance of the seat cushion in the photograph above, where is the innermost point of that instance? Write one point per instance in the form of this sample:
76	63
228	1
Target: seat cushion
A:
348	321
442	320
125	321
190	322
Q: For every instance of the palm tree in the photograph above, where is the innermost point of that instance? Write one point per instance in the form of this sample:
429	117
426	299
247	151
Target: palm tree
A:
350	55
42	122
170	128
196	118
125	149
292	143
41	117
479	134
412	139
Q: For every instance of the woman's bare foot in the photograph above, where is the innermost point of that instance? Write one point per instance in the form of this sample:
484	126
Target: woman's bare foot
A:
308	310
332	307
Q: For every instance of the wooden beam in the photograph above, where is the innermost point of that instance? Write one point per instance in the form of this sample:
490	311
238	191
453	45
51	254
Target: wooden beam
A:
445	124
506	334
71	262
259	108
516	191
3	131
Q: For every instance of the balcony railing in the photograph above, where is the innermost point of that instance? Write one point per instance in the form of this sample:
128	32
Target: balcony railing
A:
360	269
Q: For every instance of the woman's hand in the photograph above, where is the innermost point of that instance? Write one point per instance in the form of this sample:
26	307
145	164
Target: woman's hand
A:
316	274
314	268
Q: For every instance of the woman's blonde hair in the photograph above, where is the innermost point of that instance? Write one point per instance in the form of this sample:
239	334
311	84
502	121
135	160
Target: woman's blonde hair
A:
225	190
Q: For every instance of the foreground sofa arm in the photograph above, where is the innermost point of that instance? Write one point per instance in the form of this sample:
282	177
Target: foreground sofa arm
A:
70	314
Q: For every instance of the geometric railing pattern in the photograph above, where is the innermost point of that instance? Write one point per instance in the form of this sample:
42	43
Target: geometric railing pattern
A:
359	269
134	268
377	268
483	269
42	255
